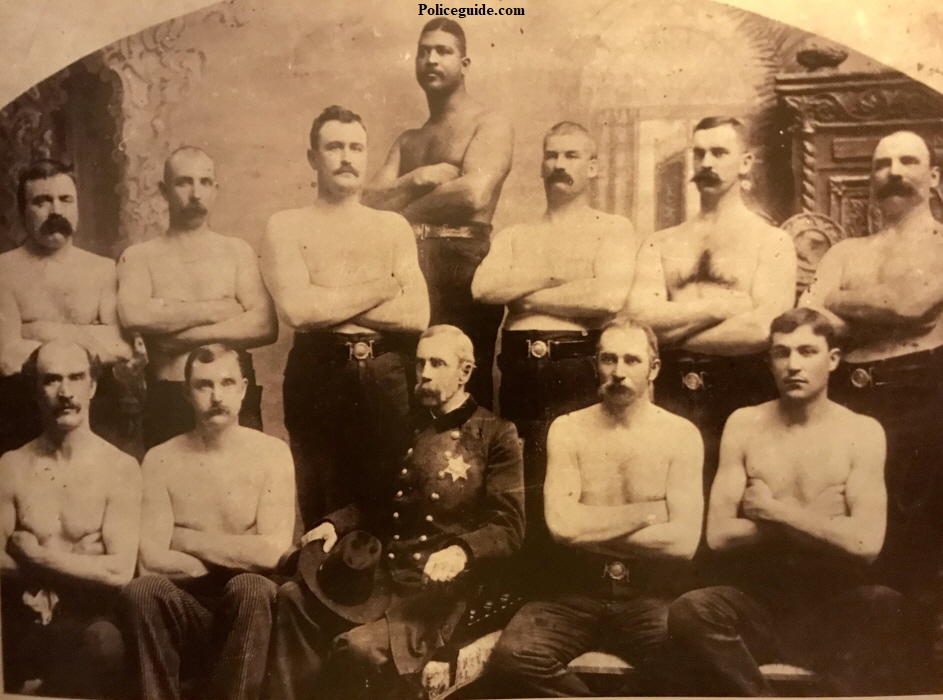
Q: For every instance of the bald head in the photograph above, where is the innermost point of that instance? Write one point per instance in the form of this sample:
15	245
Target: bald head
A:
189	187
64	373
182	155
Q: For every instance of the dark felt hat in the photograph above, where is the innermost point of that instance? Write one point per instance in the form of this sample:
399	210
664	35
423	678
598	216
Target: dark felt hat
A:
350	579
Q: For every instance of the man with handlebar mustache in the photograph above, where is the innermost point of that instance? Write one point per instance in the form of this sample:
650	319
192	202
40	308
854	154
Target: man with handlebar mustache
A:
51	289
710	287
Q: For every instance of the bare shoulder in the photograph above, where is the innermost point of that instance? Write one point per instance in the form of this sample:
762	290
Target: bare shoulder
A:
12	466
493	119
97	266
751	418
572	424
389	222
665	237
12	260
856	427
284	224
140	252
162	458
238	247
682	432
117	465
260	443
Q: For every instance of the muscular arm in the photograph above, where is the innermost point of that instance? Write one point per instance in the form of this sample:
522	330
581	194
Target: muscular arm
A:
828	276
8	478
598	296
409	310
573	523
773	292
860	533
120	530
15	349
648	302
275	519
157	528
255	326
307	306
393	192
499	281
142	312
486	164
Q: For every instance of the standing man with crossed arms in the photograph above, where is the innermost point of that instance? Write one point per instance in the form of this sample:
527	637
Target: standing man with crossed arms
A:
445	178
346	278
188	288
562	278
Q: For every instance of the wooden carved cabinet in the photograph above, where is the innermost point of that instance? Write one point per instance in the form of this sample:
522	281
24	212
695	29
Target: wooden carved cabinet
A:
835	121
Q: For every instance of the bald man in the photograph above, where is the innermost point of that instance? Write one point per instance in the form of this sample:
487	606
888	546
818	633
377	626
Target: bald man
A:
70	508
50	289
710	287
561	277
188	288
884	293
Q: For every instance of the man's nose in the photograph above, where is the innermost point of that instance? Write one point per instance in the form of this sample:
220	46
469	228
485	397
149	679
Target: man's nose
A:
65	390
897	168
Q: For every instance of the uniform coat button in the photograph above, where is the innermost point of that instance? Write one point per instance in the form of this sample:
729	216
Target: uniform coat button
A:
428	518
441	474
423	538
434	496
417	556
404	471
399	494
396	515
391	555
409	451
396	538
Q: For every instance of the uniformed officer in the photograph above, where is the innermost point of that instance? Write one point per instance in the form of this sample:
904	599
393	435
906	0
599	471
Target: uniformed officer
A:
453	508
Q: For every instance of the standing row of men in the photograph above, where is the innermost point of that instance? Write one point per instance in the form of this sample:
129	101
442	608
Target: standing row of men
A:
709	289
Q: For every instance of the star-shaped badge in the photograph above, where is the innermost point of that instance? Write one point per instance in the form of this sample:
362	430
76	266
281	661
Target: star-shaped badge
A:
458	467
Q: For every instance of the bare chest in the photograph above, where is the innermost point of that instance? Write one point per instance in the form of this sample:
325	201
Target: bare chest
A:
565	257
881	262
55	292
215	498
438	143
617	469
699	267
798	470
350	255
197	275
61	508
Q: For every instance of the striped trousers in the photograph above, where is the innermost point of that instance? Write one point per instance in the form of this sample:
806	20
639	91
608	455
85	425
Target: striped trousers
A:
221	637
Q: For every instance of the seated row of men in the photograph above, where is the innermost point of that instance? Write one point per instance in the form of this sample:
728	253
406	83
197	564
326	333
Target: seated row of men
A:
799	503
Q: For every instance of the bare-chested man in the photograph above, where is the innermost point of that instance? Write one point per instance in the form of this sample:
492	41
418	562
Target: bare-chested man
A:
347	279
70	508
710	288
623	494
218	513
188	288
562	278
52	290
445	178
797	509
885	294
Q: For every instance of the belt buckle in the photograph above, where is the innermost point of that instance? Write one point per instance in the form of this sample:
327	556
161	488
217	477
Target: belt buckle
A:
861	378
360	350
538	349
617	571
693	380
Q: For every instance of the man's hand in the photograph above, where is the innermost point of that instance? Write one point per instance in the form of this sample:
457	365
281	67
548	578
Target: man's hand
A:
325	532
432	176
90	544
444	565
734	303
758	502
23	546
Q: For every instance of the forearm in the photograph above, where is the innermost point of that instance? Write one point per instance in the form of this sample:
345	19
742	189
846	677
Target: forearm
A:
323	307
104	341
741	335
844	533
455	200
408	313
395	196
510	286
157	316
672	540
878	304
675	321
14	354
588	298
250	329
732	533
109	569
256	553
582	525
173	565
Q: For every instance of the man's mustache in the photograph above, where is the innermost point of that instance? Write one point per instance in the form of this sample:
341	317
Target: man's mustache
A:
56	223
64	405
345	168
706	177
895	187
560	176
195	208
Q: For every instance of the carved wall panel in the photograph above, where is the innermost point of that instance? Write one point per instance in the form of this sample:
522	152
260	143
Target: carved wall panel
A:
613	191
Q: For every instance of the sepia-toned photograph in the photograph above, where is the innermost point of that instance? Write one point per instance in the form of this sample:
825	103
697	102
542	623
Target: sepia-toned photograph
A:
471	350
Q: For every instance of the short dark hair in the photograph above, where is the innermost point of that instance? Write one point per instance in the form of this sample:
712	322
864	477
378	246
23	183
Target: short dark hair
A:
40	170
31	366
450	26
625	324
210	353
334	113
722	120
796	318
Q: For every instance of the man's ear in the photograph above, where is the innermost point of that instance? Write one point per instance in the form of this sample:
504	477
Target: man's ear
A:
466	62
592	170
935	176
834	357
654	369
746	163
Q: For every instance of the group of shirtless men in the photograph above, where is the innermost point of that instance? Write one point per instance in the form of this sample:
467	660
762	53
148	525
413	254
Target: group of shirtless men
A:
708	383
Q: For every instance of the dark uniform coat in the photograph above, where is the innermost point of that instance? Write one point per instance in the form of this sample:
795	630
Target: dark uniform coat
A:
461	483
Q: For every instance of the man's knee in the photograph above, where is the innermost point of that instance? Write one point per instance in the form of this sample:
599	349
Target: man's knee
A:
520	651
103	644
250	590
689	615
147	593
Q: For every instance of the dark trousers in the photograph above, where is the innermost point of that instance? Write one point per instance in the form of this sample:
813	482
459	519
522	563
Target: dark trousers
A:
345	419
219	632
533	393
167	413
855	640
316	653
449	266
706	389
532	654
79	653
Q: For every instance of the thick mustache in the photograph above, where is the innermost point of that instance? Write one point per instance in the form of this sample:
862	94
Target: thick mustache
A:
65	405
706	177
346	169
560	176
56	223
895	187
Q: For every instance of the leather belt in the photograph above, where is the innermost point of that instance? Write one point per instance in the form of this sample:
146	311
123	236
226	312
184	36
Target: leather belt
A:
353	348
474	230
552	348
918	369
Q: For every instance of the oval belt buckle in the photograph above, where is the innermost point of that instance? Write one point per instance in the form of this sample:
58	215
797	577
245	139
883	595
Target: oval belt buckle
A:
362	350
537	348
617	571
693	381
861	378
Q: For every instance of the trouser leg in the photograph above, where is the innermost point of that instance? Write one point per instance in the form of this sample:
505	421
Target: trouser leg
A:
88	660
637	631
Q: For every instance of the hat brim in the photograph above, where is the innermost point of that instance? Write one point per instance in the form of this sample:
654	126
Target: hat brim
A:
310	560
